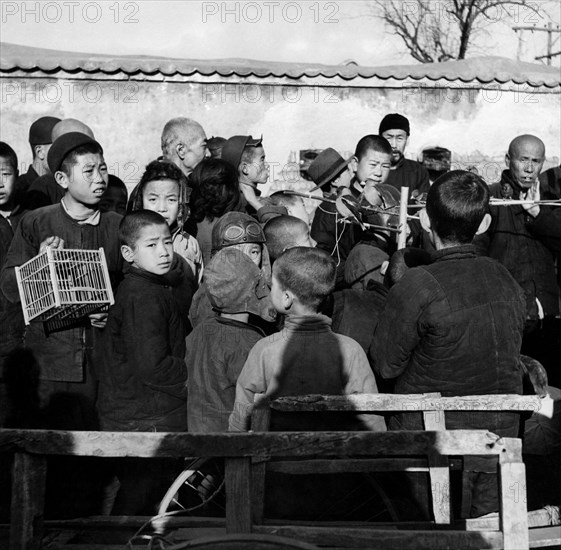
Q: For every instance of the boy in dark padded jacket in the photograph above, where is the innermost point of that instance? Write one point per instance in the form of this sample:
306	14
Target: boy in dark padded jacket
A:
455	326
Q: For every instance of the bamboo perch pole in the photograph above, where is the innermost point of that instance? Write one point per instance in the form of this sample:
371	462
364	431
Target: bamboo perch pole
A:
371	225
512	202
402	237
506	202
367	207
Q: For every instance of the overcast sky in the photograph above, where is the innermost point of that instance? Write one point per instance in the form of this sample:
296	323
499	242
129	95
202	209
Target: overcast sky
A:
304	31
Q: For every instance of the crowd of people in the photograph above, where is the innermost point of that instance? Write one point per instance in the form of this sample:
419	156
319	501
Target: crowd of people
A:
223	294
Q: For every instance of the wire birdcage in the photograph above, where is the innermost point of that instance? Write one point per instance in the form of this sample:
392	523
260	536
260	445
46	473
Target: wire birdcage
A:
61	286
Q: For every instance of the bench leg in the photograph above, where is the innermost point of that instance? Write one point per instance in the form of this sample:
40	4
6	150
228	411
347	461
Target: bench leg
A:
258	491
238	495
512	497
514	514
28	501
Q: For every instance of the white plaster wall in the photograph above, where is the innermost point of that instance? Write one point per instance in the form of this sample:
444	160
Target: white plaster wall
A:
127	117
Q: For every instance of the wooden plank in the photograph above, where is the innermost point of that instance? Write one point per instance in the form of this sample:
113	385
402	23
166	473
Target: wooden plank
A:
512	497
439	470
360	465
379	539
536	518
545	536
407	403
277	444
28	500
116	523
260	420
238	495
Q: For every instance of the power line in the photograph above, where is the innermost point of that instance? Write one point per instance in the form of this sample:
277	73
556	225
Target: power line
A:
549	30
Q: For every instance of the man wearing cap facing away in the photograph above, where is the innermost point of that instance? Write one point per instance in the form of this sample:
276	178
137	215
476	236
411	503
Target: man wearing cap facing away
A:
247	156
404	172
45	190
77	163
333	175
40	141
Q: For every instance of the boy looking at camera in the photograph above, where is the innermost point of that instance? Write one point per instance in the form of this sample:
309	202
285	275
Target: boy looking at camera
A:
371	161
77	163
142	387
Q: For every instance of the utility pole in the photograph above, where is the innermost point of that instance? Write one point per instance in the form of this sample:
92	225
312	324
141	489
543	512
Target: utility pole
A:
550	42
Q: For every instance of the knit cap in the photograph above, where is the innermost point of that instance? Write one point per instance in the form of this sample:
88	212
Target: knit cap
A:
394	121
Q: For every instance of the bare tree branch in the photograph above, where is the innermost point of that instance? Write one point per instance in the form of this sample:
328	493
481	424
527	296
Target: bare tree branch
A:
440	30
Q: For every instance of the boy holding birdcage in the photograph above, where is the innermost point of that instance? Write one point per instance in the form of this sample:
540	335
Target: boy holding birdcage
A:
77	163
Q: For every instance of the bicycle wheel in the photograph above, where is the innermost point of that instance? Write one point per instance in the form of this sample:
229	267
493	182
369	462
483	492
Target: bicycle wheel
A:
197	488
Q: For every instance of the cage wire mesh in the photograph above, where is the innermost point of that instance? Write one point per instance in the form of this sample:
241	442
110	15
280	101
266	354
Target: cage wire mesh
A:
61	286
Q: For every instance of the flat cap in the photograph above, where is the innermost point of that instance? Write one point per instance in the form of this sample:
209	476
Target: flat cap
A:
64	145
232	150
40	130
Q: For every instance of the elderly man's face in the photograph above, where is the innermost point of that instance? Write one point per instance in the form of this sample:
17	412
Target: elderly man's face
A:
525	160
196	152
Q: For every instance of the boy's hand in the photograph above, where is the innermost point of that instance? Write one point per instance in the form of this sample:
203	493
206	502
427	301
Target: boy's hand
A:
250	196
533	194
53	242
98	320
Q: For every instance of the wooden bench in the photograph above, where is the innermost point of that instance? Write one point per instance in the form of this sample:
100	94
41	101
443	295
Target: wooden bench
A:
242	450
432	407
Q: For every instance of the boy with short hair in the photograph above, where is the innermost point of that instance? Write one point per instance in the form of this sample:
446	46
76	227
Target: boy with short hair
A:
455	326
217	348
142	387
11	317
293	204
284	232
306	356
371	161
76	161
142	383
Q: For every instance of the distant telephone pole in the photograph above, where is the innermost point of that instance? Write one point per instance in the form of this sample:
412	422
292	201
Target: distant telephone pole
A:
550	42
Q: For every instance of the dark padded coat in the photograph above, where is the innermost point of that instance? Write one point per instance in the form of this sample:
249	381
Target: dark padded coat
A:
142	374
455	327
